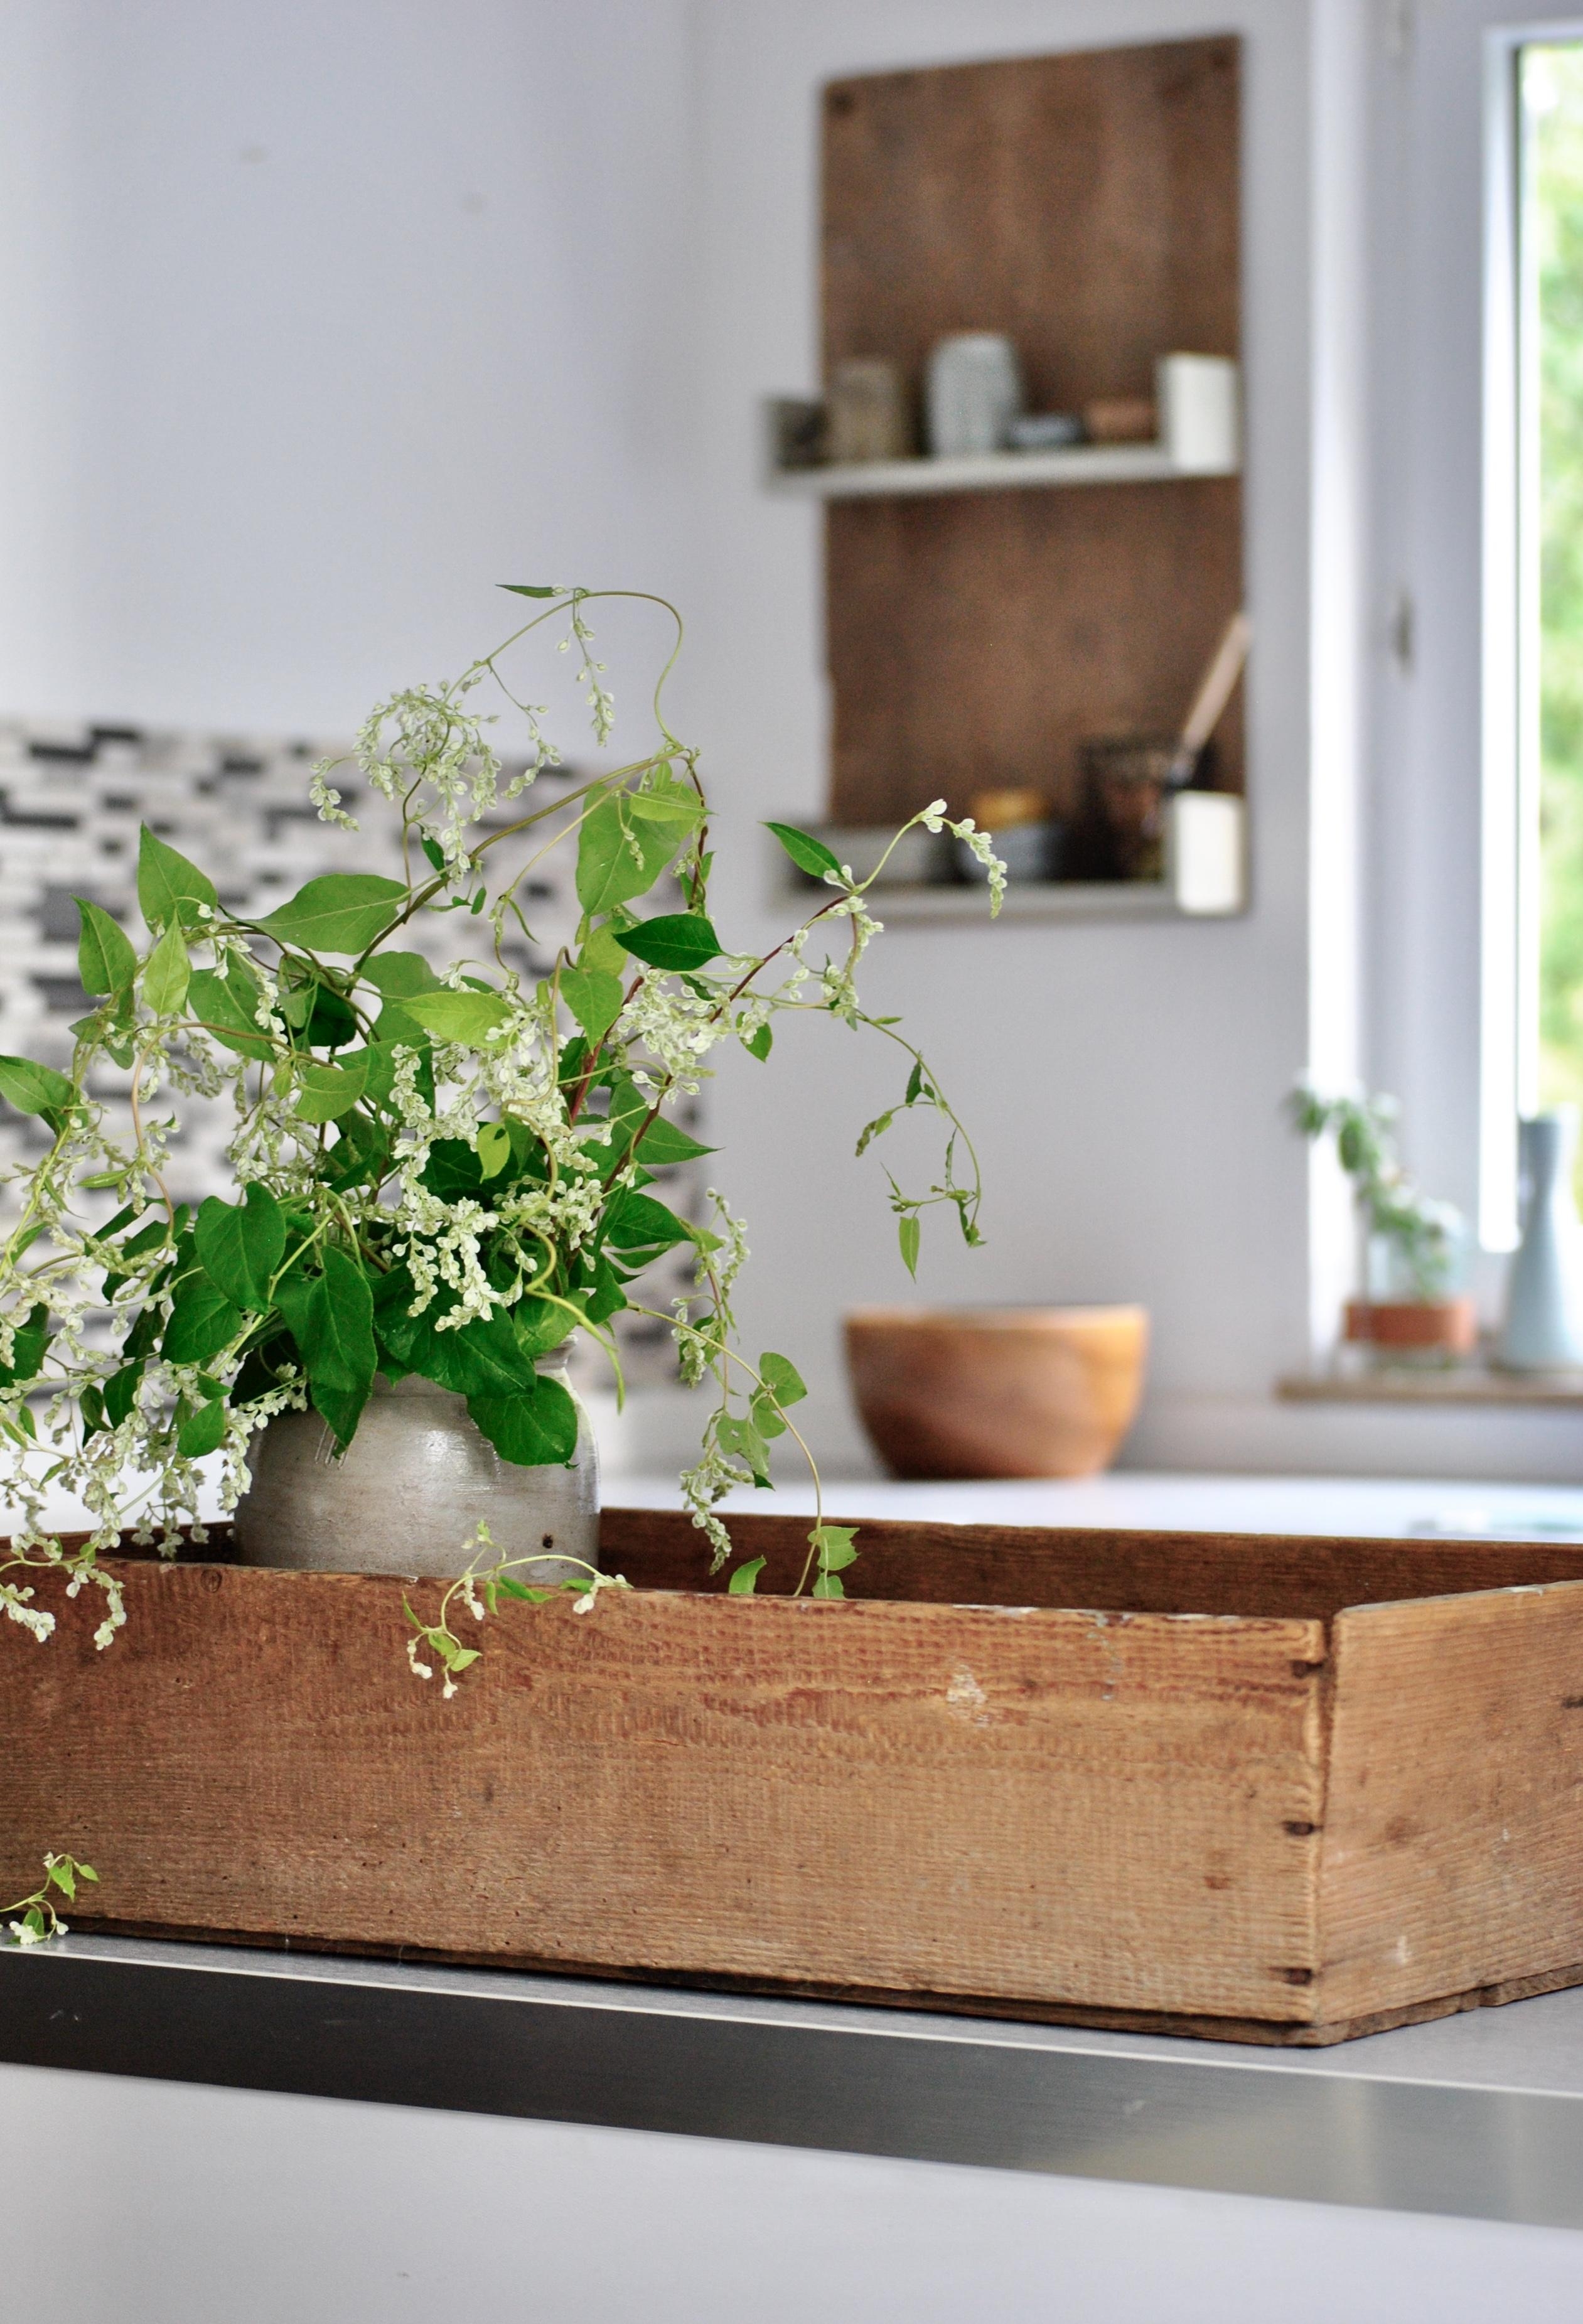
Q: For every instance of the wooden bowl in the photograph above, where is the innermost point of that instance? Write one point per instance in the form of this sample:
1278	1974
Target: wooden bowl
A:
996	1392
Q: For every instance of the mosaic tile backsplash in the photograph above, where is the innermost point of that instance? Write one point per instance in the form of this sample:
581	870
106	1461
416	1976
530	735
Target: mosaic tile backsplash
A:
71	799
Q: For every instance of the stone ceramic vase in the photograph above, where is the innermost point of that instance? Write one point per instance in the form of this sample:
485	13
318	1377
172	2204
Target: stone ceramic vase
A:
410	1491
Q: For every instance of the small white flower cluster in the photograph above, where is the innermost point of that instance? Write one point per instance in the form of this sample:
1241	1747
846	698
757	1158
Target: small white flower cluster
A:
323	796
982	843
436	763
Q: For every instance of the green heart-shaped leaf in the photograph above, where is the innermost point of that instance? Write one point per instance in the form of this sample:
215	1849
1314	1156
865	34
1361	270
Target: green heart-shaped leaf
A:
342	912
169	888
464	1016
676	940
106	961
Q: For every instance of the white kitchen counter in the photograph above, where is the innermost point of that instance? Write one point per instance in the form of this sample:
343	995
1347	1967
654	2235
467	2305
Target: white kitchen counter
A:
1142	1501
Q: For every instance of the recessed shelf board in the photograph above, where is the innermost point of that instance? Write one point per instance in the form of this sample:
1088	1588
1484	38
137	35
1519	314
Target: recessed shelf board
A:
985	472
1031	899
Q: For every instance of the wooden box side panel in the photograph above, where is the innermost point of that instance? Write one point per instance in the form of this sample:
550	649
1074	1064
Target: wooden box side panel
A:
1280	1576
1453	1843
1043	1807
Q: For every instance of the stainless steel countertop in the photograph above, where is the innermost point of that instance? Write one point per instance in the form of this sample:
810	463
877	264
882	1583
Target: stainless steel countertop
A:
1478	2116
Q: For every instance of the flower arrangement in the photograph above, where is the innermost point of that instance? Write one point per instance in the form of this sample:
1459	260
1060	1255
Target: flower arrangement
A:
440	1171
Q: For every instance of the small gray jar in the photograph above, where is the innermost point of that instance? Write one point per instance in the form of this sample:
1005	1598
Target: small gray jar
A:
410	1491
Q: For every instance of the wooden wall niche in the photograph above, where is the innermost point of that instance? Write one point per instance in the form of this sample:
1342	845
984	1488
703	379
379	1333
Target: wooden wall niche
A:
1087	206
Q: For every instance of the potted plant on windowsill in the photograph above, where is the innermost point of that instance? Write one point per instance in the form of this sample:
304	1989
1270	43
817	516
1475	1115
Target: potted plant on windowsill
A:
1412	1309
440	1175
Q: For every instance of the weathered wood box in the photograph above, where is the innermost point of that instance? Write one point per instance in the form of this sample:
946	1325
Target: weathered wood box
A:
1279	1789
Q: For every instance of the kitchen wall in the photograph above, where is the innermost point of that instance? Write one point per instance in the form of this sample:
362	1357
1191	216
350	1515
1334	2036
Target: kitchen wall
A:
320	321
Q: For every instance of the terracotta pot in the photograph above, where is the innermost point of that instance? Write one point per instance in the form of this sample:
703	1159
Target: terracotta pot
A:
996	1392
1450	1325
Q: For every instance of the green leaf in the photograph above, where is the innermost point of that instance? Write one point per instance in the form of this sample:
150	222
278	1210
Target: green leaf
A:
540	1324
239	1249
827	1585
638	1222
485	1357
203	1322
327	1092
907	1235
764	1417
394	1029
105	959
167	972
835	1546
532	1431
606	1298
201	1432
509	1587
169	888
492	1142
62	1873
528	589
741	1437
341	1407
398	974
433	849
663	1143
464	1016
915	1084
453	1169
226	1008
594	997
809	854
29	1339
759	1042
781	1376
331	1023
674	805
618	858
34	1089
675	940
872	1130
744	1579
342	911
121	1393
331	1319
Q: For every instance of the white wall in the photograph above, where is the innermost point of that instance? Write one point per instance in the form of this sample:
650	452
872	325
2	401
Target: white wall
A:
320	321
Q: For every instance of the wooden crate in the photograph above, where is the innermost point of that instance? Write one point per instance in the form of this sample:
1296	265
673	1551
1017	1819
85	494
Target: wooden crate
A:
1275	1789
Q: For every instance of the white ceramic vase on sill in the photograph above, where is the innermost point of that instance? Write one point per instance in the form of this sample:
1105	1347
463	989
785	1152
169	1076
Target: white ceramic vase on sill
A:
411	1488
1544	1329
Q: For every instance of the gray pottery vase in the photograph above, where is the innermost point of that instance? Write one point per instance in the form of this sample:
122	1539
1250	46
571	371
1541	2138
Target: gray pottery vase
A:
410	1491
1544	1329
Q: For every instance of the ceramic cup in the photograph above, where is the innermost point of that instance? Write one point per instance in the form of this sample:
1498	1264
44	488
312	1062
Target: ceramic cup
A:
973	393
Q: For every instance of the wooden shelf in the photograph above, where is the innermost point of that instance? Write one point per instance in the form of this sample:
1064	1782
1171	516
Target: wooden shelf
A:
985	472
1456	1384
985	617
